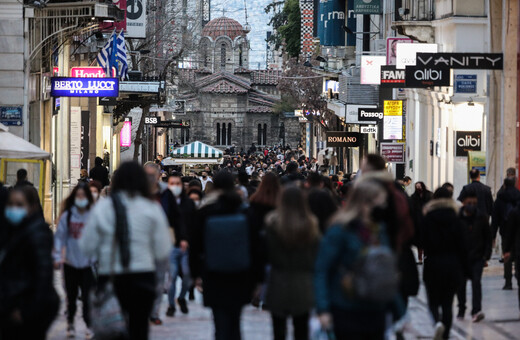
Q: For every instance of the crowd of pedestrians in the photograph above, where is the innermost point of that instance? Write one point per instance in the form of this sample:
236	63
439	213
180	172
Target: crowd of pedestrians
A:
271	228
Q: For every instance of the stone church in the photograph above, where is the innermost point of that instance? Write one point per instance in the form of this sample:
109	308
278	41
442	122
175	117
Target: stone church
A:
226	102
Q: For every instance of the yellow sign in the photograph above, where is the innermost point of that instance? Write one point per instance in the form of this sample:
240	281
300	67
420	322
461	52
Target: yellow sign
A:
393	107
477	160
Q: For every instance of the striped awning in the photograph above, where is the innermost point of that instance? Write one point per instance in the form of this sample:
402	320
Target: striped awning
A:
197	150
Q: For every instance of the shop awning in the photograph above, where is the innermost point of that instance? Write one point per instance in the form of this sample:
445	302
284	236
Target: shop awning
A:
12	146
197	150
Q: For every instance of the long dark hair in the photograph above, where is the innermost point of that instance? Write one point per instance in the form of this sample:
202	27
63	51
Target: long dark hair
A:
268	190
131	178
69	201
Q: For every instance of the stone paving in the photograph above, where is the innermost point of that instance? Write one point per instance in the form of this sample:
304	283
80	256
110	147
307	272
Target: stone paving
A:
501	309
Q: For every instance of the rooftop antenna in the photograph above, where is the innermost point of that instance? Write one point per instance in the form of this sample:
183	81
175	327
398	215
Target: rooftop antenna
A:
247	27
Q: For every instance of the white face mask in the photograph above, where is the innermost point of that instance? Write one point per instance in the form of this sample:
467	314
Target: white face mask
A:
175	189
95	196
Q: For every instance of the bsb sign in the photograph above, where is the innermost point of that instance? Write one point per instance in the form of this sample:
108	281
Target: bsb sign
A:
483	61
343	139
467	141
84	87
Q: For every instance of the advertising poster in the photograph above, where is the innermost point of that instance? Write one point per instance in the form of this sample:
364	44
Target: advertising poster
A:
331	18
477	160
11	115
136	18
75	144
393	120
406	54
393	152
391	48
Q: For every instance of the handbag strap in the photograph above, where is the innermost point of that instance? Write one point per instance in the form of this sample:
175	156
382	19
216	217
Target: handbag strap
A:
121	232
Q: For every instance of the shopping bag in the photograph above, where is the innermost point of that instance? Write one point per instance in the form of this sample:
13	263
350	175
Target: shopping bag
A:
108	321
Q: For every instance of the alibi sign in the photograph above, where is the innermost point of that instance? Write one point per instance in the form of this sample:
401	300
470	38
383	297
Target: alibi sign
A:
417	76
343	139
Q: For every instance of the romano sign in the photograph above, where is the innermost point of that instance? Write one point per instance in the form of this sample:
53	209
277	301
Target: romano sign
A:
84	87
343	139
483	61
417	76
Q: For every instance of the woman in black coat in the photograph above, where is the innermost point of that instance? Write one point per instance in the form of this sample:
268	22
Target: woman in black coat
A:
445	264
28	300
224	292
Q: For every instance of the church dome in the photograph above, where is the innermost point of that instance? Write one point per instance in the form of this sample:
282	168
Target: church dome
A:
223	26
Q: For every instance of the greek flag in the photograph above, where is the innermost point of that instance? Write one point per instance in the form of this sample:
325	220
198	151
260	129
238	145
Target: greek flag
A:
121	55
104	56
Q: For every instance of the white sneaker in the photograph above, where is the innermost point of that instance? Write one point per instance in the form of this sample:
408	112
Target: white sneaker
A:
439	331
71	332
89	334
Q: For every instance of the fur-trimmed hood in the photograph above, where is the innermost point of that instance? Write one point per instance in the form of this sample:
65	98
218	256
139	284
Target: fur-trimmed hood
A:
441	203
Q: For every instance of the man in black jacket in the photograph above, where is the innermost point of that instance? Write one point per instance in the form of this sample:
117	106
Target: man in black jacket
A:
512	244
478	244
99	172
485	198
179	209
508	198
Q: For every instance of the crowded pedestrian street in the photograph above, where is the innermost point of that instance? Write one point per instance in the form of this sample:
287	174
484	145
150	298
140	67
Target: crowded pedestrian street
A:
259	169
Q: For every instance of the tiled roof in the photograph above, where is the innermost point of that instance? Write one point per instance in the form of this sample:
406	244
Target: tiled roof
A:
259	109
207	80
242	70
222	26
266	77
224	86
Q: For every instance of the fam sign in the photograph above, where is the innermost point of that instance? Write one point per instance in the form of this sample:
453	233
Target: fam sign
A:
84	87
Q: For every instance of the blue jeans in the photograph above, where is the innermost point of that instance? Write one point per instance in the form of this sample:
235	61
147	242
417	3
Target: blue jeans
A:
178	262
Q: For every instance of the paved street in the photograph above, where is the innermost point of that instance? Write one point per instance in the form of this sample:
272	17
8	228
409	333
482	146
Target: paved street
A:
501	309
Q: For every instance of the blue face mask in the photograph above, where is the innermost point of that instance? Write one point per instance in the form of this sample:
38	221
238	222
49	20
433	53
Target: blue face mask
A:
81	203
15	215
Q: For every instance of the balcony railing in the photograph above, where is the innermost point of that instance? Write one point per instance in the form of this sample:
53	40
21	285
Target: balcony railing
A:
414	10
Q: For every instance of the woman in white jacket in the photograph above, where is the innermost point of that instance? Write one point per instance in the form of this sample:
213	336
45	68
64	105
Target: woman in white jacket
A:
132	255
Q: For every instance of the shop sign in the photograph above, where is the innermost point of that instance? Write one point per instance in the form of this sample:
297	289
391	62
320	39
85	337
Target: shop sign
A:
393	153
391	48
152	120
11	115
370	115
393	119
482	61
136	18
369	129
125	136
367	7
352	114
466	83
392	77
371	69
477	160
467	141
84	87
343	139
89	72
393	107
422	77
406	54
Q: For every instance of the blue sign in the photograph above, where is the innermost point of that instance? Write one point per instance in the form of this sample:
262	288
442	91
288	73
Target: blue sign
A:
84	87
466	83
11	115
331	19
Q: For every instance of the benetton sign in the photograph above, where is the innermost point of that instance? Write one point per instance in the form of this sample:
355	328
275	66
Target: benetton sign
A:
483	61
417	76
84	87
343	139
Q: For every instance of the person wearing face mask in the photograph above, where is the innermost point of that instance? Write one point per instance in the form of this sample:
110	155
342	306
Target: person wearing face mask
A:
77	268
28	300
179	209
95	190
204	179
478	238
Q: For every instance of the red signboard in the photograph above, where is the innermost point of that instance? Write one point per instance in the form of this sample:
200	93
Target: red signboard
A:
89	72
393	152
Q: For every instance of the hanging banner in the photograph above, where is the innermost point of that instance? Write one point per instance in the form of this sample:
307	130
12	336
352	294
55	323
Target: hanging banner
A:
407	53
370	115
393	153
352	114
482	61
393	120
136	18
125	136
392	77
343	139
371	69
391	48
307	27
84	87
331	19
367	7
75	143
422	77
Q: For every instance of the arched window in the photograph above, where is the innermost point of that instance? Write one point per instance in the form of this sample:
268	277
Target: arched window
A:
265	135
259	136
218	133
229	134
205	55
223	135
223	56
240	62
262	134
